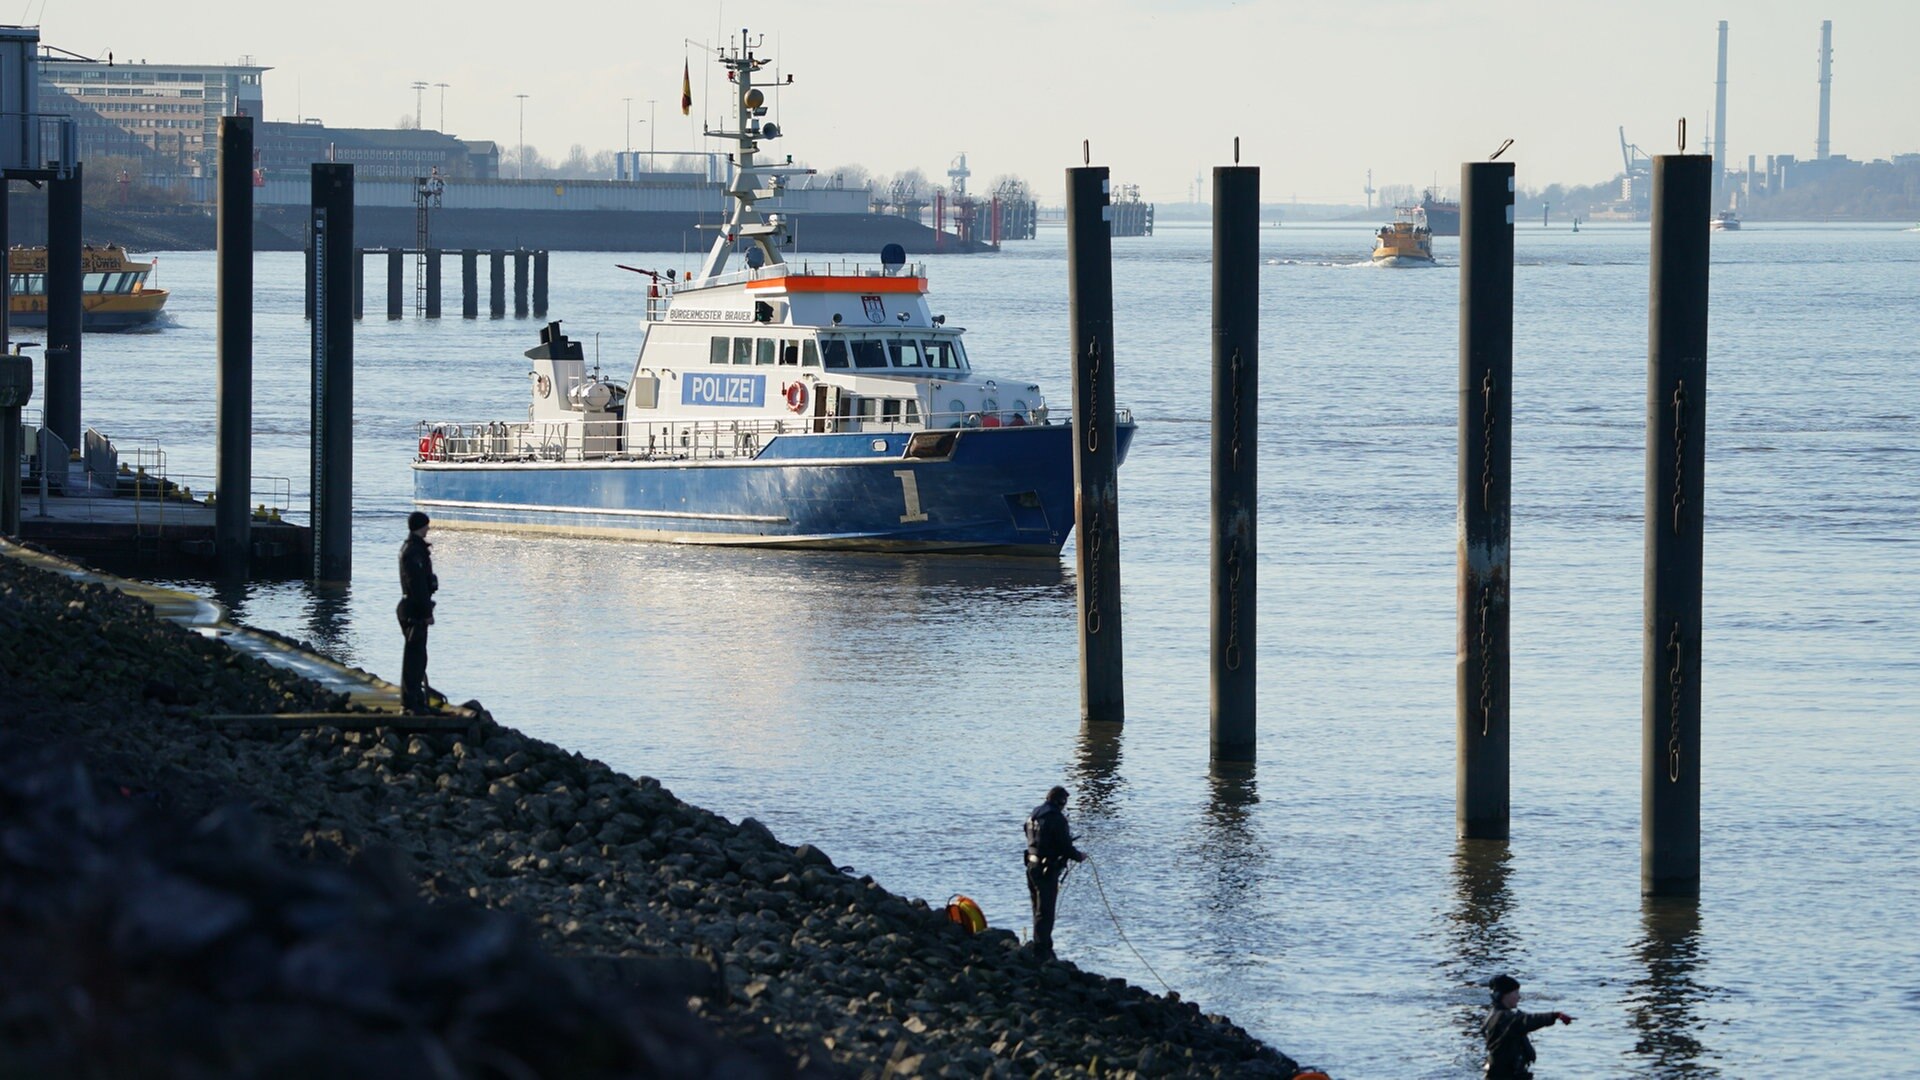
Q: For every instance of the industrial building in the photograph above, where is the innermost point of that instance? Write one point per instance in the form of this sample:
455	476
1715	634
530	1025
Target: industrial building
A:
166	116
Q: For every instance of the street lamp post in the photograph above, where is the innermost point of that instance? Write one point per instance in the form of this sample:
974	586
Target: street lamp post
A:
443	105
523	135
418	87
651	128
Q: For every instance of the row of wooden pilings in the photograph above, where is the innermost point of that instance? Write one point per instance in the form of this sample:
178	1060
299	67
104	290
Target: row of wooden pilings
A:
429	290
1675	469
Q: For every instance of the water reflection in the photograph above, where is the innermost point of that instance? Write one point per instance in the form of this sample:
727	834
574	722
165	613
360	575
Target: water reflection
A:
1481	943
1234	851
1097	782
1663	1004
327	607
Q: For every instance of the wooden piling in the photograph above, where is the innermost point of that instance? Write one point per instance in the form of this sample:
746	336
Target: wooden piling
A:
1095	464
520	283
396	278
1675	490
539	284
1485	470
233	487
330	427
497	284
1236	426
60	399
433	283
469	284
359	283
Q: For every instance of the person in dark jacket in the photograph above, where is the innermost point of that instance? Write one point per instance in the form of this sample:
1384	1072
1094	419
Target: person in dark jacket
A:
415	611
1509	1051
1049	850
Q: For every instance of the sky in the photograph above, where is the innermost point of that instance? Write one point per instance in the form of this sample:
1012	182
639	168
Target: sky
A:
1317	93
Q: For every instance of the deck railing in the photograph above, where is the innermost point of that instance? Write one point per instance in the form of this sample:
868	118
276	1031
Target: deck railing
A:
705	440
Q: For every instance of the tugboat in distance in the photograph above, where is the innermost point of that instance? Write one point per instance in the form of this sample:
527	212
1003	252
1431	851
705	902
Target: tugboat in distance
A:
812	404
1403	242
1441	218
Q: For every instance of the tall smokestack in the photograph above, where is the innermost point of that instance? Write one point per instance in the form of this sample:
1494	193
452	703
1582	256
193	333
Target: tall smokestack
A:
1826	87
1720	119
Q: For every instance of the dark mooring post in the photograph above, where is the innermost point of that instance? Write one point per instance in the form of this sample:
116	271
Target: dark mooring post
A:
1096	497
469	284
396	276
331	426
64	311
539	284
359	282
1481	769
497	284
233	487
520	283
1236	425
1676	469
16	389
433	283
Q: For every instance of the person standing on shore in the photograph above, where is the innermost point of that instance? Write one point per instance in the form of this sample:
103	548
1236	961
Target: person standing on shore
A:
1509	1051
417	586
1049	850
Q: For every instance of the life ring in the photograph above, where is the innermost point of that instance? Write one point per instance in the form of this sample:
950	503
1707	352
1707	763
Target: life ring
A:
433	445
797	396
962	910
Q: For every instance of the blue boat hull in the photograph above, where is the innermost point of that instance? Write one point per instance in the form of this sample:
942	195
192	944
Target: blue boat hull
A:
1000	491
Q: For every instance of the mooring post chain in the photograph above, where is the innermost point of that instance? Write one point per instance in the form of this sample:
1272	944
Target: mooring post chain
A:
1486	441
1234	370
1094	538
1093	395
1486	661
1679	451
1233	606
1676	679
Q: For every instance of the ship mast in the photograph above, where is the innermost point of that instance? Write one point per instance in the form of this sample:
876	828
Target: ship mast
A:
744	188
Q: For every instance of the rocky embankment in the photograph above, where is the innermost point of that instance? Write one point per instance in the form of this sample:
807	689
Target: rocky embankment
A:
362	904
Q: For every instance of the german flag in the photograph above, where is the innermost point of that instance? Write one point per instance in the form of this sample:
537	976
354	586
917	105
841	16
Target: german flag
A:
686	89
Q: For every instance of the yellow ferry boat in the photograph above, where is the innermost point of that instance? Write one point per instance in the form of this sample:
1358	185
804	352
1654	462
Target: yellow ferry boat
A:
114	294
1405	242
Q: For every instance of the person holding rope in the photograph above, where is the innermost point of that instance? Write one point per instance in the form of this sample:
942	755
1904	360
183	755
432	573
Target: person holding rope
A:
1509	1051
1049	850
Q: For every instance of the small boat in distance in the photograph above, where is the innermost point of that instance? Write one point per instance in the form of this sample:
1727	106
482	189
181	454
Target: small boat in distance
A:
114	294
1405	242
1725	221
806	404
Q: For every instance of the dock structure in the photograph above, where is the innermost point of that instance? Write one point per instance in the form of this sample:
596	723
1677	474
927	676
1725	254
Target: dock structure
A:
531	281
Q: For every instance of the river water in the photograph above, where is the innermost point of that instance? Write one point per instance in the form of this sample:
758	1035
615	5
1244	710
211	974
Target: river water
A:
905	713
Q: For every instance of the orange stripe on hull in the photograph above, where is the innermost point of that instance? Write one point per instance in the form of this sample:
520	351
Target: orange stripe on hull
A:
848	284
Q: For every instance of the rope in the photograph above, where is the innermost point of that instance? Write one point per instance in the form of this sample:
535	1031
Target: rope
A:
1123	934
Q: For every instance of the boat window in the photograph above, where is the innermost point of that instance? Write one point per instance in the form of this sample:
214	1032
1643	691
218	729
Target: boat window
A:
940	354
905	353
717	353
869	353
959	355
835	352
911	411
868	408
743	350
890	410
763	350
809	354
94	282
122	283
789	354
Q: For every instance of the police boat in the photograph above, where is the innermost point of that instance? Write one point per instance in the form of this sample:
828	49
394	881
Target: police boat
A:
781	404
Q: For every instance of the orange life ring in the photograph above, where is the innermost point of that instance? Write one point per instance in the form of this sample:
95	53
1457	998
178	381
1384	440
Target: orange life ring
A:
433	445
962	910
426	445
797	396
